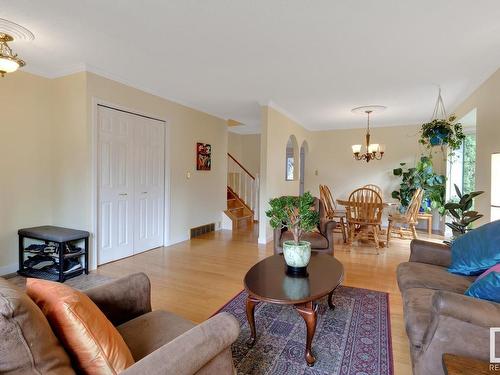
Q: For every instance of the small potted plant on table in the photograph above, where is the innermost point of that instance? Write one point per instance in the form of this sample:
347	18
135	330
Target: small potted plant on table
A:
298	215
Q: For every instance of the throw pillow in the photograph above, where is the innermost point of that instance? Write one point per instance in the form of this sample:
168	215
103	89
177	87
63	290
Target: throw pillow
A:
486	286
477	250
95	344
27	343
495	268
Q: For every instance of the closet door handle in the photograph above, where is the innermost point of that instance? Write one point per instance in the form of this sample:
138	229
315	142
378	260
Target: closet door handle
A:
122	194
144	192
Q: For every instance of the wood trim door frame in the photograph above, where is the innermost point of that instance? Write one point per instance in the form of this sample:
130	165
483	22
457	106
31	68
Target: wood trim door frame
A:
96	102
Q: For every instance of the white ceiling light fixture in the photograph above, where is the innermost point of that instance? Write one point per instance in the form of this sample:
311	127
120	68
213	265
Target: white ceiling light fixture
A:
374	151
9	61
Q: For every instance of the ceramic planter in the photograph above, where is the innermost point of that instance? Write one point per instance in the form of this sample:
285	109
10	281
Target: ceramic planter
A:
297	255
438	138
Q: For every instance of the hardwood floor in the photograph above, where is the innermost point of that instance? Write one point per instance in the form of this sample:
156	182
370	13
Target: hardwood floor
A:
195	278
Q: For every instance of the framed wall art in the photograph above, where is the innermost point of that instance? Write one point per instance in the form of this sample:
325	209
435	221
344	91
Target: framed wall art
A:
203	156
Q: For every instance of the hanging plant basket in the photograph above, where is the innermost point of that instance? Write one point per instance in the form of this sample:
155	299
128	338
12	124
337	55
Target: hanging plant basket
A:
442	130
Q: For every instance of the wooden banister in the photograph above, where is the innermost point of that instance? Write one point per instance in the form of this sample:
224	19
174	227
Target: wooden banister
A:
242	167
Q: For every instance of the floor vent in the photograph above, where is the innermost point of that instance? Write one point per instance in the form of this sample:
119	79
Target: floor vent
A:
198	231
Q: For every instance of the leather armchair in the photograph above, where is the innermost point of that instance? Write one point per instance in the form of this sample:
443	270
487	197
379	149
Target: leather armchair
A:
321	241
439	317
161	342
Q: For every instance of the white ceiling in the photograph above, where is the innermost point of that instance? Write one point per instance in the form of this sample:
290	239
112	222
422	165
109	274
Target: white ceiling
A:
314	59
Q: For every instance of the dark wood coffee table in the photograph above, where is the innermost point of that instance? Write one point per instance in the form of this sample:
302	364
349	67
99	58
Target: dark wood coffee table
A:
267	282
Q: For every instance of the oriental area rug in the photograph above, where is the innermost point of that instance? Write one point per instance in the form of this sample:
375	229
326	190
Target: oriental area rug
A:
352	339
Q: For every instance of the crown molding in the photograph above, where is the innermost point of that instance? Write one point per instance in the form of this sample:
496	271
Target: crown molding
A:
284	112
82	67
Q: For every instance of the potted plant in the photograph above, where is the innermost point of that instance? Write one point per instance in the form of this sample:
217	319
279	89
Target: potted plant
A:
421	176
461	212
298	215
442	132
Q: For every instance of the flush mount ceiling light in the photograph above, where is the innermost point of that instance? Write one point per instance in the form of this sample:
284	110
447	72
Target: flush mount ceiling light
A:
9	61
374	151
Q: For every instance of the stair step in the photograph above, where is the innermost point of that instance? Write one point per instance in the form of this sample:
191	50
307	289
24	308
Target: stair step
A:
236	208
243	217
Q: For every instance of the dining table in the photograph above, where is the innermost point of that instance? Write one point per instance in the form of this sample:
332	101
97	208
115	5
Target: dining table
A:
346	203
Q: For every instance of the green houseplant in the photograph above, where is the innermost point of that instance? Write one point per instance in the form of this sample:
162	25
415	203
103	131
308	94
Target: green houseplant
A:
420	176
298	215
461	212
442	132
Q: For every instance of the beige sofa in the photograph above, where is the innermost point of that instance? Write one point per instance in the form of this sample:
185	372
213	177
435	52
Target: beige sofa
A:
439	318
160	342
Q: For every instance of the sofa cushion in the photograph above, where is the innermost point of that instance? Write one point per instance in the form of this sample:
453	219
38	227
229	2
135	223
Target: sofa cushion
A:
94	343
477	250
421	275
150	331
417	307
317	240
27	345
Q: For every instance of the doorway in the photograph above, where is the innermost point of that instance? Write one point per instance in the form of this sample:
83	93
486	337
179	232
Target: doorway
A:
130	183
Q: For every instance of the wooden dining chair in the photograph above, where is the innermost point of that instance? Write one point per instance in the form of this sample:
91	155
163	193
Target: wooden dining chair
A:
332	211
377	188
404	224
364	215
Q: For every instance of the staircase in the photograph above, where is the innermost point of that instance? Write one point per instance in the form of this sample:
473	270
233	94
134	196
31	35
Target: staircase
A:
237	210
242	194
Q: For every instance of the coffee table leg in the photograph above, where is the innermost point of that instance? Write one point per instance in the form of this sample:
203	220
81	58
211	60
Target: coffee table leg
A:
308	311
330	303
251	302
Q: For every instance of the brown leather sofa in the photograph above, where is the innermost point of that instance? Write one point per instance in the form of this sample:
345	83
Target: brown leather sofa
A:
160	342
321	240
439	317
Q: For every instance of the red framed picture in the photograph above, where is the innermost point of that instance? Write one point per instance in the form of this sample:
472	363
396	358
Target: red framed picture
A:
203	156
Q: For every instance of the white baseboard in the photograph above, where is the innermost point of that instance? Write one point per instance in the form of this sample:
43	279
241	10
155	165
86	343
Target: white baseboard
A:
265	240
173	241
227	223
8	269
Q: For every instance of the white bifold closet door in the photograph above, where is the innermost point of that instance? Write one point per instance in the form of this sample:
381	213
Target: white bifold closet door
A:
149	184
130	184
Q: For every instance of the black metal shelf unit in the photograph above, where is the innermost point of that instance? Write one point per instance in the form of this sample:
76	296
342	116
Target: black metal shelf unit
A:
61	239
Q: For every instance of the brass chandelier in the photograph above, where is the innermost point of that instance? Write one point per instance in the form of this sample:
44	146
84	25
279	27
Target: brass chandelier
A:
9	61
374	151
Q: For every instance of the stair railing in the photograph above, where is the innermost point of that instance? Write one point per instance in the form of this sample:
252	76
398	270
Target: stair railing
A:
243	183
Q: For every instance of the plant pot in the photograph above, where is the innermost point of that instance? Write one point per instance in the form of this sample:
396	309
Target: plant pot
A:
296	287
438	138
297	255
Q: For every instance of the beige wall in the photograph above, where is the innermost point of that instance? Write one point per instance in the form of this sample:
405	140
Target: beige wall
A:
276	130
234	145
195	201
486	100
332	159
71	155
246	149
26	174
251	152
46	168
342	173
329	160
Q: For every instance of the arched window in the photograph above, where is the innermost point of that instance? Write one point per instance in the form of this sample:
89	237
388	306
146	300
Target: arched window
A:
291	152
